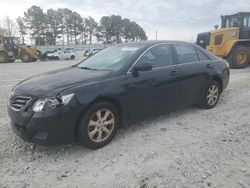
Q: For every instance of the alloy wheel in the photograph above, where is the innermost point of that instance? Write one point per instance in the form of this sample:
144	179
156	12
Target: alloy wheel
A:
101	125
212	95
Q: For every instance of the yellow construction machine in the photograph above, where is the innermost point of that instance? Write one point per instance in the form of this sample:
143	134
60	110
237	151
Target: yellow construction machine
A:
231	41
10	50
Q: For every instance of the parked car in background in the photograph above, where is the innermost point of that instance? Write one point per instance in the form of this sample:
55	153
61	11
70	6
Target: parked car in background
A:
62	54
119	85
90	52
70	49
44	55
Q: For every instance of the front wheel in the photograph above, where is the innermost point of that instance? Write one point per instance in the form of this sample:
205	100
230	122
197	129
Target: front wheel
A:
25	57
4	57
12	60
98	126
239	57
211	95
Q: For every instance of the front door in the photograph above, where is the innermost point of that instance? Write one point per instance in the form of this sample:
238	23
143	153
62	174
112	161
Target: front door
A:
155	91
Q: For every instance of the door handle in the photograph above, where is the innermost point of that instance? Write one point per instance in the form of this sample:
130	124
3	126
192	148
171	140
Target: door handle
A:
209	66
173	73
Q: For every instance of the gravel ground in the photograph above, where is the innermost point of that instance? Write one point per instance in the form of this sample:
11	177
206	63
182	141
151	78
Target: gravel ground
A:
191	147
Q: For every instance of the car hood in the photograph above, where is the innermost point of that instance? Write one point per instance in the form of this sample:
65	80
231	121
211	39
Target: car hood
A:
53	82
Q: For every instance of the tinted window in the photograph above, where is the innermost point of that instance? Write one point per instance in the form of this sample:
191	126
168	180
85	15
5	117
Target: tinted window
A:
185	53
158	56
202	56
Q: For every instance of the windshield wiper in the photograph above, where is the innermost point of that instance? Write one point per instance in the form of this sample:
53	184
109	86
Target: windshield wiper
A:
87	68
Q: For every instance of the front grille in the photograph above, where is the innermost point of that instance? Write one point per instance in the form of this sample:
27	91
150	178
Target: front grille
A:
19	102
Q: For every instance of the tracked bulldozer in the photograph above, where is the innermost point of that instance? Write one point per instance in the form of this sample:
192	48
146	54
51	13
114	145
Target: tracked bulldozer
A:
231	41
11	49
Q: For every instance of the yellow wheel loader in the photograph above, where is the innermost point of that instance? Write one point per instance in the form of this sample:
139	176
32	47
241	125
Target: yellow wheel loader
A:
10	50
231	41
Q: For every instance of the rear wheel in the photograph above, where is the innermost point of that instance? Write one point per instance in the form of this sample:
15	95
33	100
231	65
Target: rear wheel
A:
98	126
239	57
4	57
211	95
72	57
25	57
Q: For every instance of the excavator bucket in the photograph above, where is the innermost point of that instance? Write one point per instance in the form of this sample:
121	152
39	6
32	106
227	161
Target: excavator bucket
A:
27	53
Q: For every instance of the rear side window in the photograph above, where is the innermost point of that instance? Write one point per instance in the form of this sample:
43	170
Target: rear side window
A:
158	56
185	53
202	56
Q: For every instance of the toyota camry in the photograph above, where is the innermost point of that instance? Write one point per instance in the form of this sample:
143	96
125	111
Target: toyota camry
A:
120	85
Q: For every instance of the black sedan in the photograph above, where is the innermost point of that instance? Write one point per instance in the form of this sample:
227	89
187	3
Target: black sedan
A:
119	85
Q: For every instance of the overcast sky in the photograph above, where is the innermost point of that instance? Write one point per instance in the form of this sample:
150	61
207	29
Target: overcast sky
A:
174	19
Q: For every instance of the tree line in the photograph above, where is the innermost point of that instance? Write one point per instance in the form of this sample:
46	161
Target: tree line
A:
70	27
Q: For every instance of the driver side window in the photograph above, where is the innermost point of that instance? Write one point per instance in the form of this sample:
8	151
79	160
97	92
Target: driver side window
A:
158	56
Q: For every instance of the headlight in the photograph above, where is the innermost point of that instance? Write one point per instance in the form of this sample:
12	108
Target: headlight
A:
51	103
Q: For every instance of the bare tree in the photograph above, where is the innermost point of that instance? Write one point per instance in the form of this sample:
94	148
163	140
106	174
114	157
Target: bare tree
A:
2	31
10	26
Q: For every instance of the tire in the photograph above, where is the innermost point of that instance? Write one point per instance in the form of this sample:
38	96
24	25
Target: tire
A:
239	57
57	58
72	57
25	57
102	133
12	60
210	102
4	57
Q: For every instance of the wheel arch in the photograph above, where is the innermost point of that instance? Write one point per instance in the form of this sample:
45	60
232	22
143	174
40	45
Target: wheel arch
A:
219	80
243	42
109	99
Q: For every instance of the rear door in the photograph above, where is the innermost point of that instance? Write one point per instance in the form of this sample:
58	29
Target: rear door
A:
155	91
195	67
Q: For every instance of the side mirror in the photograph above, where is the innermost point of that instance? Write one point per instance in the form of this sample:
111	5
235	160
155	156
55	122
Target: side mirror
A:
141	67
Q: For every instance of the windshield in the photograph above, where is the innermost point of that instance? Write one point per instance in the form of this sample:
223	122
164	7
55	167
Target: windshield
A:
16	41
232	22
112	58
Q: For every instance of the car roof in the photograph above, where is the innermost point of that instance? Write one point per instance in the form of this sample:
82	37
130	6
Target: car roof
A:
146	44
153	42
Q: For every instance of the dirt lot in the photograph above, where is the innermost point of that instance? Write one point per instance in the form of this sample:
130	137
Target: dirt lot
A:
187	148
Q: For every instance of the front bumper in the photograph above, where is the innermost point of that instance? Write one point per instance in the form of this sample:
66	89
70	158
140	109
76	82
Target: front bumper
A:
49	127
